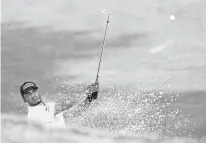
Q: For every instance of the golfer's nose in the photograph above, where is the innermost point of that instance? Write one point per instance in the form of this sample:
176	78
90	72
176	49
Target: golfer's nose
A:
34	95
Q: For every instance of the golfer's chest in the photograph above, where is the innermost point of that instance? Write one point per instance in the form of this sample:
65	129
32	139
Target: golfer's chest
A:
41	114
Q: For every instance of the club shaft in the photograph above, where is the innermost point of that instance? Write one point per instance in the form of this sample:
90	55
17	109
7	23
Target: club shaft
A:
102	48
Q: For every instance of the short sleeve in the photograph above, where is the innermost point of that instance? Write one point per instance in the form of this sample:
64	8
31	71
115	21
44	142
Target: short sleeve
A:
51	107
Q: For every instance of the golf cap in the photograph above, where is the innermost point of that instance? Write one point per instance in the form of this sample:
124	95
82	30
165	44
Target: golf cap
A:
27	85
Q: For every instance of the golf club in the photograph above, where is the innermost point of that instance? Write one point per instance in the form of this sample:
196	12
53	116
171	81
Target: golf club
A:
108	14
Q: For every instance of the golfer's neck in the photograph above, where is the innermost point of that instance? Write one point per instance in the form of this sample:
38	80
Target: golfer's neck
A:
38	104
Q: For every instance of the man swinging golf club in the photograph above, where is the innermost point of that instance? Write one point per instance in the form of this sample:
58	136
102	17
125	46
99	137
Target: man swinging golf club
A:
51	113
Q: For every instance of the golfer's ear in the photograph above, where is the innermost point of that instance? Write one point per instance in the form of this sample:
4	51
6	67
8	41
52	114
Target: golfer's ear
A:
23	98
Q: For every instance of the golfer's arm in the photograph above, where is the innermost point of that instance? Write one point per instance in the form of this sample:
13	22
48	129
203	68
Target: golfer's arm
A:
60	107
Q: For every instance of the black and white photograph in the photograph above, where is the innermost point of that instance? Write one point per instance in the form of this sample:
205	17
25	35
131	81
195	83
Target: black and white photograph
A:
103	71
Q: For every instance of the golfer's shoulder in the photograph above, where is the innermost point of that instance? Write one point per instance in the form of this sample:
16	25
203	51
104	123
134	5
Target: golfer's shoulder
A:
51	104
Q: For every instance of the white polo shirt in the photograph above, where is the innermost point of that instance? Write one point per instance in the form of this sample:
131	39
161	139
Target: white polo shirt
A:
44	114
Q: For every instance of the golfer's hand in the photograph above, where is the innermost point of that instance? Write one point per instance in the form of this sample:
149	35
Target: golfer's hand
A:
94	87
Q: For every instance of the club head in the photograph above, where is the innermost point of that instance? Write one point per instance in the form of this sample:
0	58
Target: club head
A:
104	11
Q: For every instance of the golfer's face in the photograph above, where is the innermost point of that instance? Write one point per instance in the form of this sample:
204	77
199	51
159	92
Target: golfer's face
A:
32	97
